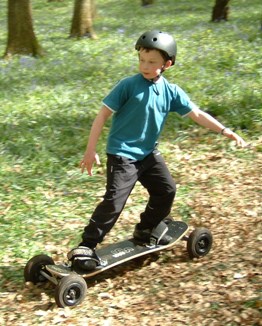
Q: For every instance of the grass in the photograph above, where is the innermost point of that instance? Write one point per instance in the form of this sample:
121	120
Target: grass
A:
48	104
47	107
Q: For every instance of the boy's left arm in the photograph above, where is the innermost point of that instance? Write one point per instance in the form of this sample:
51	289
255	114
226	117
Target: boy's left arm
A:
206	120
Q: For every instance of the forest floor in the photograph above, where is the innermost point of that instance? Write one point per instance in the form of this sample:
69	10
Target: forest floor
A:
223	288
47	108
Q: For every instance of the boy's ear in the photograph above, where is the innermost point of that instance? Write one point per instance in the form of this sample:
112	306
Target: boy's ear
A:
168	64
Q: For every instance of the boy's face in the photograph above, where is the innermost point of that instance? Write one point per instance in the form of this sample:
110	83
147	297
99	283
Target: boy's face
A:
151	63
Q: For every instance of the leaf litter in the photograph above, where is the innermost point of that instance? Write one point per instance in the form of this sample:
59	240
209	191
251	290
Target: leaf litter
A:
223	288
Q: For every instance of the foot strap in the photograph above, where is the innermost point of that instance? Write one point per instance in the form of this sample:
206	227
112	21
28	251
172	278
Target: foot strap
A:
157	234
83	253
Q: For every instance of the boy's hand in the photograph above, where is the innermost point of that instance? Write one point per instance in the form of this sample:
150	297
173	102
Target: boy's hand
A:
232	135
88	161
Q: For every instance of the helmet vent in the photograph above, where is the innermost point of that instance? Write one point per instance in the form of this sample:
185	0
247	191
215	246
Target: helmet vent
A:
160	41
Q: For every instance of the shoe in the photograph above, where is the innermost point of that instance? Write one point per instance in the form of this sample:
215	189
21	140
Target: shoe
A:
83	258
145	235
142	235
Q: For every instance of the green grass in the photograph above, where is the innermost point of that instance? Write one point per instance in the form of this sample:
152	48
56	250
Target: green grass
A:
48	104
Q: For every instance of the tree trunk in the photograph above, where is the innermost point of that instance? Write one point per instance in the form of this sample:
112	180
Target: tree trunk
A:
21	36
82	22
220	11
147	2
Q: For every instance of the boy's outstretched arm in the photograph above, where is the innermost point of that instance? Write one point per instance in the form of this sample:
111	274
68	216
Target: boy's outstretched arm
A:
204	119
90	155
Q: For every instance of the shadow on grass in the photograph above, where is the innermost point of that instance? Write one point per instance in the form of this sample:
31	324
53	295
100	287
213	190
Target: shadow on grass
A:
137	264
14	291
11	278
12	286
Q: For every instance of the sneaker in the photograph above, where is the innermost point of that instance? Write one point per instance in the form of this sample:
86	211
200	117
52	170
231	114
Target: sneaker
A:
83	258
144	235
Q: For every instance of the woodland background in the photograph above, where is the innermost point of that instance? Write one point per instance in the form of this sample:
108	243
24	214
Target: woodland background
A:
47	107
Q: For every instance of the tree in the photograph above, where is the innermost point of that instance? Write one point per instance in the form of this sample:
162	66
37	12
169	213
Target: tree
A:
82	22
220	11
147	2
21	36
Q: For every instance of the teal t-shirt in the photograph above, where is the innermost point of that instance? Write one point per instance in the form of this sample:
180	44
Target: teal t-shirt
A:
140	110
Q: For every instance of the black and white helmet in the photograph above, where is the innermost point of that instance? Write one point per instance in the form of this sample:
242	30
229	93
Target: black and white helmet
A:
160	41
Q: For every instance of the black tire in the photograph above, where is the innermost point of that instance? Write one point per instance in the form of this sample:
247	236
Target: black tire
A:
34	266
199	243
70	291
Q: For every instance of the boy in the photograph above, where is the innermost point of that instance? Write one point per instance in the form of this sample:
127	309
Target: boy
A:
139	105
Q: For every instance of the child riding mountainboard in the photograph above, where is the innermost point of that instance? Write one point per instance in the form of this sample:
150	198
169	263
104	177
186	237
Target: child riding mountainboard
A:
139	106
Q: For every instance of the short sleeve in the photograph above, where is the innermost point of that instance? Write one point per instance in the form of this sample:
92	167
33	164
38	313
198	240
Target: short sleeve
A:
117	96
181	102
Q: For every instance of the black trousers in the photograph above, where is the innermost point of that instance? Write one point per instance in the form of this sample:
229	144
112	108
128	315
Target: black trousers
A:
122	175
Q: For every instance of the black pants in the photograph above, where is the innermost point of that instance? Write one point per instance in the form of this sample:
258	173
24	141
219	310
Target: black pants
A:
122	175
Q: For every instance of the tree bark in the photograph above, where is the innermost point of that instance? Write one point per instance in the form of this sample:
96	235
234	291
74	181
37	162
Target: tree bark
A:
82	22
220	11
21	36
147	2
